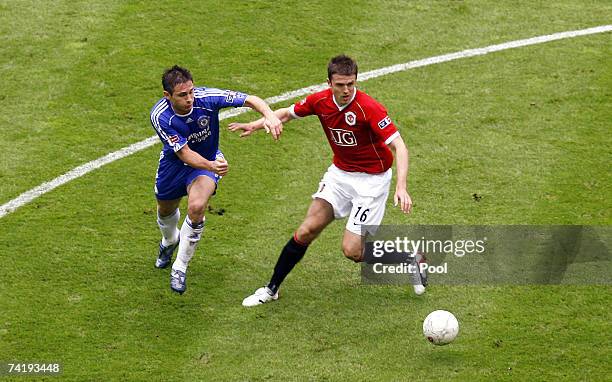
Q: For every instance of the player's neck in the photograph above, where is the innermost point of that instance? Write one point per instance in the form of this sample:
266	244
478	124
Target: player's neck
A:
341	107
179	114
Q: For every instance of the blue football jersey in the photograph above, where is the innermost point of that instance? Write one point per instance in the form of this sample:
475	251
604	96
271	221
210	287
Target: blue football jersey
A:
199	129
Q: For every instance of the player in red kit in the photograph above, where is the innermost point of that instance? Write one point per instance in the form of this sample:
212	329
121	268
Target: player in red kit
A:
356	185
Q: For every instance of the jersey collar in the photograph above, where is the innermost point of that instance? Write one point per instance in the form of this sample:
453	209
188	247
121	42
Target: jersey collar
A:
340	108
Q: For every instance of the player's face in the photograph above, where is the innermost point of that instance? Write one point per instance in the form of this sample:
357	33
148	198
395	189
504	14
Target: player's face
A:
343	87
181	98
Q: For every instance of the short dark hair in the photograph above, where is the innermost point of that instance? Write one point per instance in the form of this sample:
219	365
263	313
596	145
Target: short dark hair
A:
343	65
174	76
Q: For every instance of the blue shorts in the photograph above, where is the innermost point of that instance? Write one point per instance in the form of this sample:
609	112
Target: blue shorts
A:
173	178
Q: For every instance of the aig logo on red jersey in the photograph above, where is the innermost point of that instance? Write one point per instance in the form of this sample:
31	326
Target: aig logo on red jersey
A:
384	122
343	137
350	118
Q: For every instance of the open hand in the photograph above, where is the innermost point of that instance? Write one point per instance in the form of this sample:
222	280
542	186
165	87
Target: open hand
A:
273	126
402	198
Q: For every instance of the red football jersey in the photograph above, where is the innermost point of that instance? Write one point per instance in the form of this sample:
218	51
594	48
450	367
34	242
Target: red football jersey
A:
358	132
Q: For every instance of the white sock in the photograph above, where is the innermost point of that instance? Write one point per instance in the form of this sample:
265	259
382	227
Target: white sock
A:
190	236
168	227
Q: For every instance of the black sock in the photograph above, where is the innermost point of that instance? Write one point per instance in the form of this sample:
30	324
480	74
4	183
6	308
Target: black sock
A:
291	254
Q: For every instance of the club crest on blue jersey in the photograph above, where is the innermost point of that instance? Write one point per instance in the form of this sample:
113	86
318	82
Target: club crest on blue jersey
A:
203	121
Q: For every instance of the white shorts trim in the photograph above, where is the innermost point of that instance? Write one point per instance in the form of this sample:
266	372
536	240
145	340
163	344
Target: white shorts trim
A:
357	195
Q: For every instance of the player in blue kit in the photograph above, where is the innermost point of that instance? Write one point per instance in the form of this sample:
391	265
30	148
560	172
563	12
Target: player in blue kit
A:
186	120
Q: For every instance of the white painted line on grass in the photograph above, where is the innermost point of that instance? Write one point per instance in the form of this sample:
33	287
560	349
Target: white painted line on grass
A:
34	193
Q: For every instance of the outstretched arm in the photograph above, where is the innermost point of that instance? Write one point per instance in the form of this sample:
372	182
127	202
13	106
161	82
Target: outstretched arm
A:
401	195
249	128
270	121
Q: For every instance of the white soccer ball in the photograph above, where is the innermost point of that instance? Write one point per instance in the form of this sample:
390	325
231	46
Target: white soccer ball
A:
440	327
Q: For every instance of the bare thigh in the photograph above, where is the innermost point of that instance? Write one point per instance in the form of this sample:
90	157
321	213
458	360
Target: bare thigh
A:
319	215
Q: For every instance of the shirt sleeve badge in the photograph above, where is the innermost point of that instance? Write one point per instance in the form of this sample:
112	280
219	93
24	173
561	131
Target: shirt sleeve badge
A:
384	122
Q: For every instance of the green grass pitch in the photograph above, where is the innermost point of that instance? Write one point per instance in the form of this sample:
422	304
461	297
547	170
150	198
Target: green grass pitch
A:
526	129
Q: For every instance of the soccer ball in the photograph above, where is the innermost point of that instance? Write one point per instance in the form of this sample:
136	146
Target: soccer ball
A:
440	327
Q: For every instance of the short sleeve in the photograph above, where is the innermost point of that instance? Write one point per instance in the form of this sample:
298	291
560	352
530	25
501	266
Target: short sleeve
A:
167	133
303	108
380	123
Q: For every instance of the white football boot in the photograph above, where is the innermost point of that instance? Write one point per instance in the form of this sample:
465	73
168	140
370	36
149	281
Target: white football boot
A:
420	278
261	296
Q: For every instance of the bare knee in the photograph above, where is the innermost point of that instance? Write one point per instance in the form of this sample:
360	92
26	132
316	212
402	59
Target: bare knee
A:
352	252
319	215
200	190
163	212
352	246
167	207
307	232
196	210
